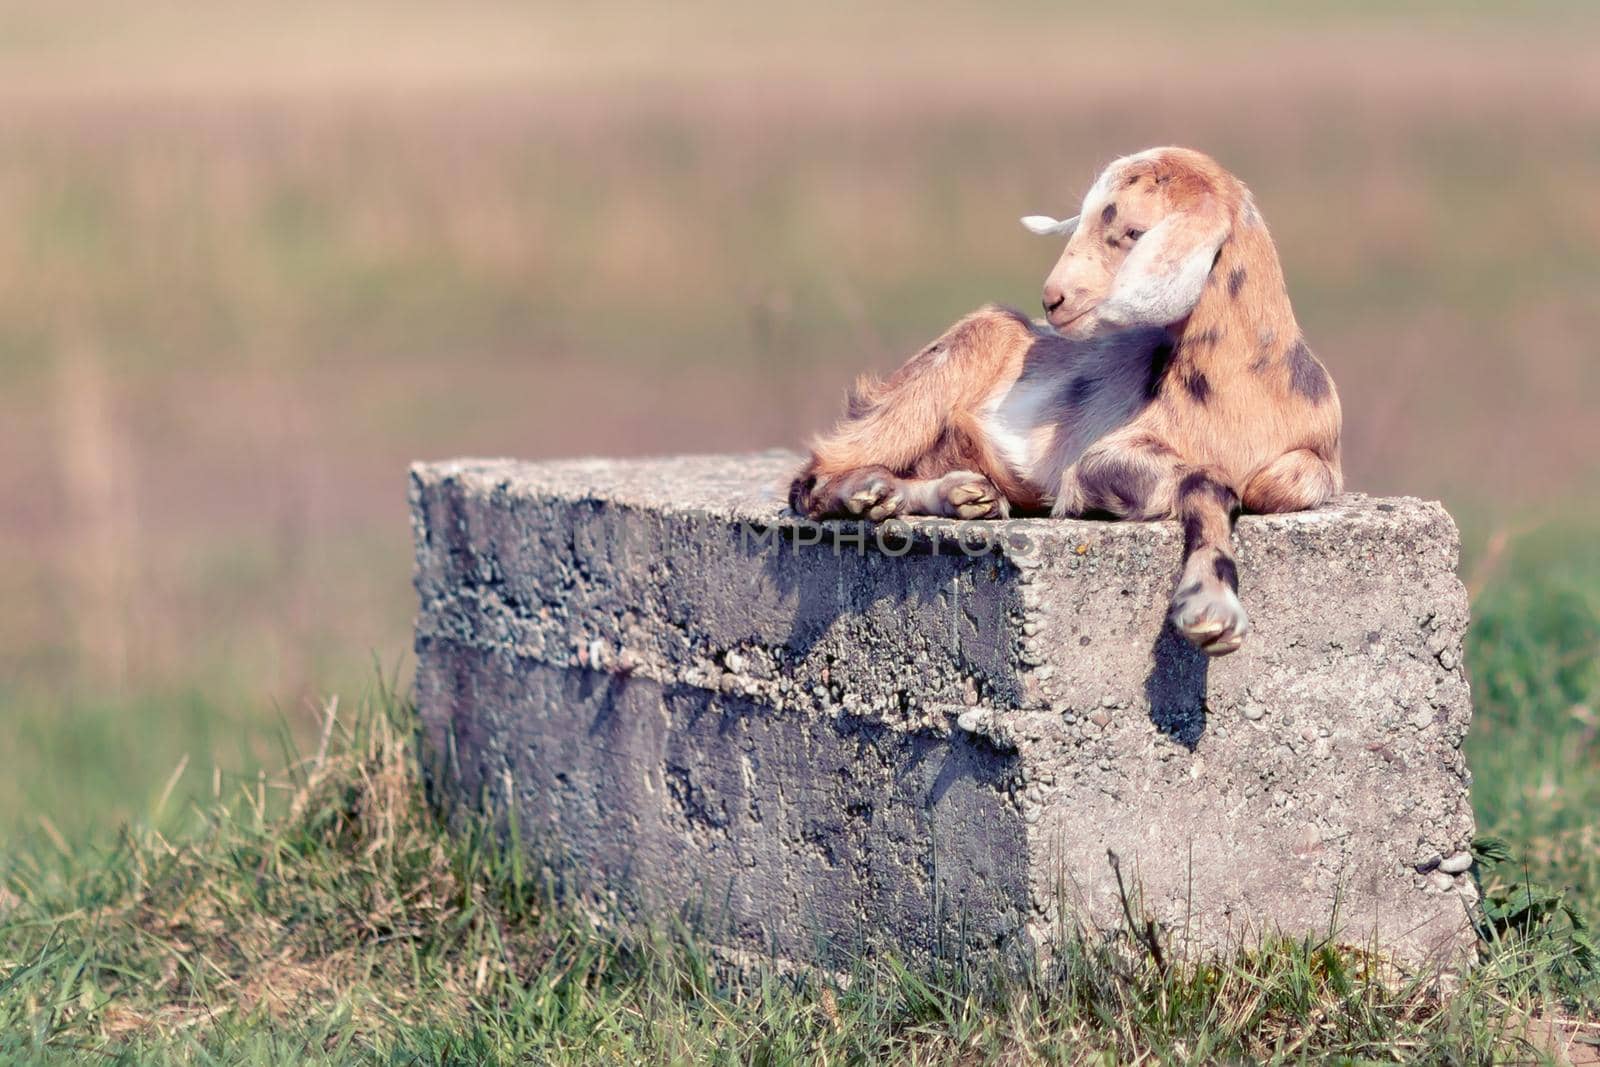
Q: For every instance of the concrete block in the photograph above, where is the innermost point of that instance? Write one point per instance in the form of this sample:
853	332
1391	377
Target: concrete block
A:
838	737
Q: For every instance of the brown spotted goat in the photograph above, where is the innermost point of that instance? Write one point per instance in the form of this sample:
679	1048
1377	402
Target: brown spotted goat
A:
1171	381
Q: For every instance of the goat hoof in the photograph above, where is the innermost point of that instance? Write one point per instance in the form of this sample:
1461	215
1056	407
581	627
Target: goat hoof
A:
975	497
1210	617
875	497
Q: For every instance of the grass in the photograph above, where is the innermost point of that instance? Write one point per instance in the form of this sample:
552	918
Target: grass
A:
1534	746
329	916
326	914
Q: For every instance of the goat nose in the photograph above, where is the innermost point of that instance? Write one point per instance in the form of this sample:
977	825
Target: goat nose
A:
1053	297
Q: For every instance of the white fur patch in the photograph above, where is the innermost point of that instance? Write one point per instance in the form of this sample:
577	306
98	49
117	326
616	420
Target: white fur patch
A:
1011	416
1148	291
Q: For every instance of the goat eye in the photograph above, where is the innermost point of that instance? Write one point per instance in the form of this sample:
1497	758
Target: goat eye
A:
1134	235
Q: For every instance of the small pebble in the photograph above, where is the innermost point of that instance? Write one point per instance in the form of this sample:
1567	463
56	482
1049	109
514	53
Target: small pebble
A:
1457	863
1422	718
1100	718
1253	711
1441	881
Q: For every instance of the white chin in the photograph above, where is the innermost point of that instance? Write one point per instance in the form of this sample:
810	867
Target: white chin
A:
1080	328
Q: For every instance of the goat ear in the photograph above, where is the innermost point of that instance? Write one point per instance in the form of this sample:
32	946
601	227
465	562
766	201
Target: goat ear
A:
1045	226
1162	279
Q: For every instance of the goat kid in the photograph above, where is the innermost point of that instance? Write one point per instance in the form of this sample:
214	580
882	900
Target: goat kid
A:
1170	381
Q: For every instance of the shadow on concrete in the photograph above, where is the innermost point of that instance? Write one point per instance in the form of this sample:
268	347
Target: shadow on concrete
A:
821	570
1176	688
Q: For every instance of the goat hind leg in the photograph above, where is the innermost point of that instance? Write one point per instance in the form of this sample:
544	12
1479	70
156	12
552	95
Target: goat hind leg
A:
875	493
1295	481
914	427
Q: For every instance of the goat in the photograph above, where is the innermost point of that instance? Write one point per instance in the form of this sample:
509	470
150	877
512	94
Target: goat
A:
1168	381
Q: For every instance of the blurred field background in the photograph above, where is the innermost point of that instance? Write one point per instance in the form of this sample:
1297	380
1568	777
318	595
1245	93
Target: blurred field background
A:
255	259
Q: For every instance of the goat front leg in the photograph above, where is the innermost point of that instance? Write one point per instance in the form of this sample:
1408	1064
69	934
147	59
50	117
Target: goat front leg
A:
1206	608
1136	475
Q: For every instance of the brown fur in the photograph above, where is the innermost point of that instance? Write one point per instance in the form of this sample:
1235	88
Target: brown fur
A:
922	422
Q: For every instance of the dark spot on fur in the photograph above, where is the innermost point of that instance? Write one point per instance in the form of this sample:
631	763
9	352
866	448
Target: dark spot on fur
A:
1108	214
1198	385
1193	533
800	494
1197	483
1236	278
1189	590
1198	492
1160	359
1206	338
1151	444
1306	375
1269	341
1192	483
1118	486
1081	389
1227	573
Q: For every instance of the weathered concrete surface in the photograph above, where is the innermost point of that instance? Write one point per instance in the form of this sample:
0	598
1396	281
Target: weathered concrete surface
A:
837	737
